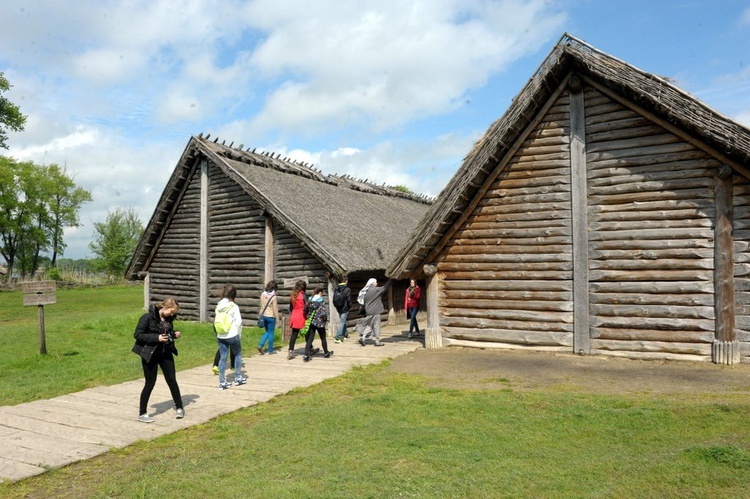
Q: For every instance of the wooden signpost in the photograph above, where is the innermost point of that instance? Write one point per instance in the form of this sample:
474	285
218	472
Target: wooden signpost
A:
39	293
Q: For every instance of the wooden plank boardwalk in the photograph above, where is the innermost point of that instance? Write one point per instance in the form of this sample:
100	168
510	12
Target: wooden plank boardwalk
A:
45	434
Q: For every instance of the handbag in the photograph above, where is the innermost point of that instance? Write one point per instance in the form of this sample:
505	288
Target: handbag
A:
261	319
146	352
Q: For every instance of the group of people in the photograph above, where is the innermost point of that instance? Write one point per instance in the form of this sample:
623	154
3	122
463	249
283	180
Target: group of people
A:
155	334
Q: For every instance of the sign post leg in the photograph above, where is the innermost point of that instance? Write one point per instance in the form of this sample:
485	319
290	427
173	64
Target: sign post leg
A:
42	340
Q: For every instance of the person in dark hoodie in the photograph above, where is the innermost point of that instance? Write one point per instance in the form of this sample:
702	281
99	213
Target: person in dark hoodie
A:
154	343
342	300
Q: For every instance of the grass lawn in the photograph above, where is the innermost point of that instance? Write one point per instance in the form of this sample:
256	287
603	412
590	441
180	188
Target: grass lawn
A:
378	433
89	334
372	433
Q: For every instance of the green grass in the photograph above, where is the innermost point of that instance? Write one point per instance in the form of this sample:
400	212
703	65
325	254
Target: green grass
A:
89	334
372	433
376	433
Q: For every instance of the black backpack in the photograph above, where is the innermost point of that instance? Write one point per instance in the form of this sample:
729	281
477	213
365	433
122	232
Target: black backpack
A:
338	297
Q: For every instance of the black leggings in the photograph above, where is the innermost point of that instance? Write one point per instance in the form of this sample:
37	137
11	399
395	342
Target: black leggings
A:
293	339
217	357
150	370
311	336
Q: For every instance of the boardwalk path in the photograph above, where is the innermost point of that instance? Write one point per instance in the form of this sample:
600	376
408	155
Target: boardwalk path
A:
44	434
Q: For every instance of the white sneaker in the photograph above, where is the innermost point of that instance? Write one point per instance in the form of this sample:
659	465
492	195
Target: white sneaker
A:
180	413
145	418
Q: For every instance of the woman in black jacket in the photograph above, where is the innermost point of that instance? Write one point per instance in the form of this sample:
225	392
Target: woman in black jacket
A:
154	342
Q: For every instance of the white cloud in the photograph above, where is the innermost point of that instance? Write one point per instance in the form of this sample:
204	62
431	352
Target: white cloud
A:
80	137
388	62
744	118
745	17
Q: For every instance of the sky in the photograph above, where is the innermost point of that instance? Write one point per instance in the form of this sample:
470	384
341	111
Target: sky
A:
393	91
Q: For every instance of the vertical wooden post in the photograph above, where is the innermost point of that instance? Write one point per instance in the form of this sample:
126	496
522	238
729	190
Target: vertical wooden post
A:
42	336
433	337
333	314
726	348
203	277
269	261
146	290
391	307
579	216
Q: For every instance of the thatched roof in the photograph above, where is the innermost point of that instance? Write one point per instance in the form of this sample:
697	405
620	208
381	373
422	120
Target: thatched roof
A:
349	224
653	93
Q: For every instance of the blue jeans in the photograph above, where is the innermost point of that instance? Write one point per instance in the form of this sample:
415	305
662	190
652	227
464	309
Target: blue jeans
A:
224	345
268	335
342	326
411	312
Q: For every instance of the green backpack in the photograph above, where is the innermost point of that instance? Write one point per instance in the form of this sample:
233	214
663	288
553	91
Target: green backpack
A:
223	320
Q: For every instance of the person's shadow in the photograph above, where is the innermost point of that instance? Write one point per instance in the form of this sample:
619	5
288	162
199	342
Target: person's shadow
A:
168	405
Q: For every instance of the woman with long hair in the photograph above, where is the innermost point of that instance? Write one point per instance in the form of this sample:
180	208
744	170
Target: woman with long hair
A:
297	304
269	309
411	304
154	343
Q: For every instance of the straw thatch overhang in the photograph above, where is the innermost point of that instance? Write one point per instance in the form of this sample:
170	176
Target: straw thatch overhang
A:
570	57
348	224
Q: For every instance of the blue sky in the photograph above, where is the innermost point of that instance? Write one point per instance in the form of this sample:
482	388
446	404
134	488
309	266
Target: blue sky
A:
394	91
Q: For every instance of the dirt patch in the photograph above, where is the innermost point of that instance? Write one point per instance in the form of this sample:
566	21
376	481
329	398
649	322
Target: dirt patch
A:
474	368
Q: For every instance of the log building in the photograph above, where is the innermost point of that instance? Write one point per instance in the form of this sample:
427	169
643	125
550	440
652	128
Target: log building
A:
607	212
229	215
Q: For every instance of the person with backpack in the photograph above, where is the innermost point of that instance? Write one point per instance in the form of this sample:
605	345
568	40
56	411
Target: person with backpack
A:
228	326
317	316
342	300
269	310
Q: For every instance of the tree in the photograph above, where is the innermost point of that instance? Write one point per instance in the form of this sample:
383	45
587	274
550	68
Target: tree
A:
36	203
19	200
10	114
64	204
115	240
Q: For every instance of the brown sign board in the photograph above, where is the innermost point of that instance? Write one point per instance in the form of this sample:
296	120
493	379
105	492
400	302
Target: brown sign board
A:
38	293
38	287
39	299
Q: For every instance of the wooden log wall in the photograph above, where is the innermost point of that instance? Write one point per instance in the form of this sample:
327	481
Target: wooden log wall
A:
293	261
236	251
741	234
174	270
651	236
506	275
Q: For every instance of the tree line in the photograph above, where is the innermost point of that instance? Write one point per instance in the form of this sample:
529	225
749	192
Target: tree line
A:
38	202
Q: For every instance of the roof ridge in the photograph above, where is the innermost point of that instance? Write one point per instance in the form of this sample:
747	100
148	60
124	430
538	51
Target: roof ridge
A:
274	161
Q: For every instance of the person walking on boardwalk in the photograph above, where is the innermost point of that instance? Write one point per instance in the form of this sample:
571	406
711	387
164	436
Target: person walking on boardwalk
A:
228	336
154	343
342	300
297	305
372	299
269	310
411	304
317	313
